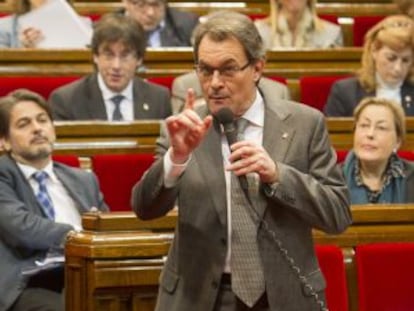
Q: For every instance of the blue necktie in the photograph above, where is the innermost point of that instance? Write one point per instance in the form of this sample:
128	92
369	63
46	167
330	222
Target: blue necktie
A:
117	115
43	196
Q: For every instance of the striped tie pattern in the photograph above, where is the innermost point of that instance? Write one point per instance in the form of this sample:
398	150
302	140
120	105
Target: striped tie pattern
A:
43	196
247	276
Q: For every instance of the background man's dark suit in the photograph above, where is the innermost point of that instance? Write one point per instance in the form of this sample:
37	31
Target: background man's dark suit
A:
27	235
82	100
311	193
178	27
346	94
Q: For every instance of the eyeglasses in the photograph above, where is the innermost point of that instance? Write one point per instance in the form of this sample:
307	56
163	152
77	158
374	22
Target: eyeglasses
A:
144	4
229	71
123	57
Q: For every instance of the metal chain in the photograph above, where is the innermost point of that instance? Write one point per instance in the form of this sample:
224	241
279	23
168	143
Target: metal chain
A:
285	254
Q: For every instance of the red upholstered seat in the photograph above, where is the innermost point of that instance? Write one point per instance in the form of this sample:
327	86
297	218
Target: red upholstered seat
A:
341	155
406	154
117	174
385	274
165	81
43	85
331	261
278	79
314	91
361	26
71	160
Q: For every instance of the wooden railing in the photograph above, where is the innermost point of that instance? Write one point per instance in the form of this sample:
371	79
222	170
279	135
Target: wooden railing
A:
291	65
114	264
85	138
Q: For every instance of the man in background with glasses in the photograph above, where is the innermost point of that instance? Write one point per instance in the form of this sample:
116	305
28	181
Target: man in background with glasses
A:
164	26
113	92
247	205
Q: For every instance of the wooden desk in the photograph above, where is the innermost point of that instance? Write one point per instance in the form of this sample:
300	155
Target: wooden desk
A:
86	138
114	264
176	61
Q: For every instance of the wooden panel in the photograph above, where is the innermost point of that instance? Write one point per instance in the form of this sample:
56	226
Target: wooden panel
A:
114	264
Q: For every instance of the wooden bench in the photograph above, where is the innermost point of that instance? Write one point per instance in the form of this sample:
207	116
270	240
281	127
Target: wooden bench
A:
291	65
86	138
114	264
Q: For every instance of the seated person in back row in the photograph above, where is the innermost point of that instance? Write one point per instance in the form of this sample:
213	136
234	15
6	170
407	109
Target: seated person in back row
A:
295	24
41	202
164	26
182	83
387	69
113	92
14	35
373	170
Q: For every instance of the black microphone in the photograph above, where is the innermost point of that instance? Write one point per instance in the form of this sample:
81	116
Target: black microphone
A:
226	117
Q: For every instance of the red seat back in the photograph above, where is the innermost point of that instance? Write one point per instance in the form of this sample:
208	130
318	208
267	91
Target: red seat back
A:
331	261
71	160
43	85
361	26
314	91
341	155
117	174
164	81
278	79
385	274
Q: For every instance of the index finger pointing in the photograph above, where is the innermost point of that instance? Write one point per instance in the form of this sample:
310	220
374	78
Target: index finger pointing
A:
190	99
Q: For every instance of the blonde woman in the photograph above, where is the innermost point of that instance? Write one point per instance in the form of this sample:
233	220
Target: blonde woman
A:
295	24
373	170
386	71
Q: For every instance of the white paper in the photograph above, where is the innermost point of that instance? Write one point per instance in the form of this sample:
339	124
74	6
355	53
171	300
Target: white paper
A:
60	25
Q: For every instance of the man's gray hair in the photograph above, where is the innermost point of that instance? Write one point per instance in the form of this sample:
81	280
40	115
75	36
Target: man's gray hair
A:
223	25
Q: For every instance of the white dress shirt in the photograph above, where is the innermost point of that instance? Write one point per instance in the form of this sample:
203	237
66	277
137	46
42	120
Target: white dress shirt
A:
253	132
65	207
127	104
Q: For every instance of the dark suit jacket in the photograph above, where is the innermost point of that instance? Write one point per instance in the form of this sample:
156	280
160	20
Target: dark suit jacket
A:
178	29
25	233
311	194
82	100
347	93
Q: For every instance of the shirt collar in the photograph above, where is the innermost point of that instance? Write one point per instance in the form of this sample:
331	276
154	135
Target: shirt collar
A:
255	114
107	94
383	85
28	170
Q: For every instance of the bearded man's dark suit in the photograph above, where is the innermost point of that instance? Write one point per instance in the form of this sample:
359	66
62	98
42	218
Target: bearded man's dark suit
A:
26	234
82	100
346	94
311	194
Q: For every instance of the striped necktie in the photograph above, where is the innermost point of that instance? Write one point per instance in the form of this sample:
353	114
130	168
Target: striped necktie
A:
43	196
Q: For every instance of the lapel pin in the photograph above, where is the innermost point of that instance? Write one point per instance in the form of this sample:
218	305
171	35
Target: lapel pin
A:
145	106
285	135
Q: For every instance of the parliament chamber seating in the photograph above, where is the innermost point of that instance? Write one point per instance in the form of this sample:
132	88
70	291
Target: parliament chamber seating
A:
314	90
117	174
331	261
71	160
43	85
385	273
166	81
115	262
361	26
